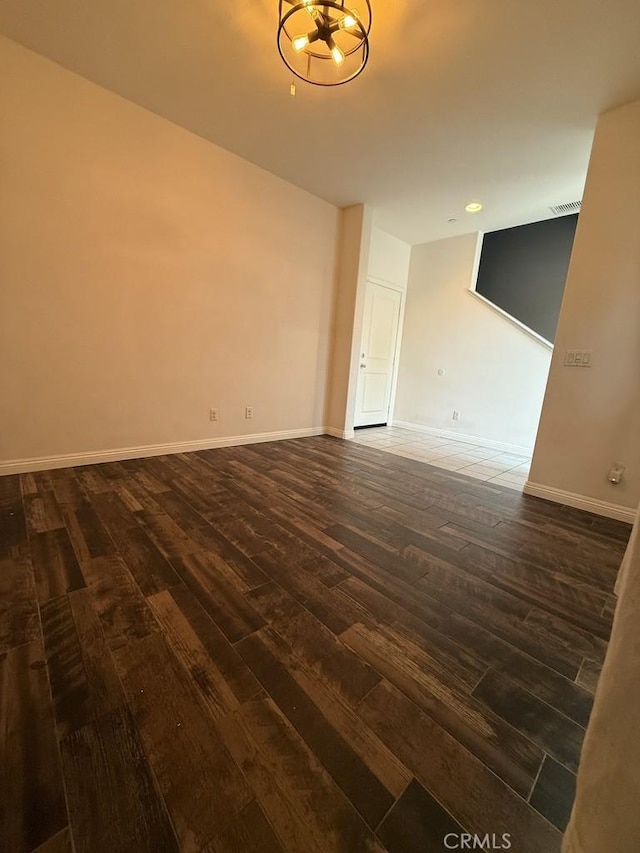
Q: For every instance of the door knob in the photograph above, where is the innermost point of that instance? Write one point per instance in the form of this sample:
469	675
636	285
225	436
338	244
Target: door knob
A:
362	365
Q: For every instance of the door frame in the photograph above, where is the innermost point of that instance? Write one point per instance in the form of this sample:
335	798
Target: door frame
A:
396	355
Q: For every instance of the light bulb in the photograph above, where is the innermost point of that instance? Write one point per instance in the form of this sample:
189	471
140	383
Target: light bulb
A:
309	6
338	55
348	21
300	42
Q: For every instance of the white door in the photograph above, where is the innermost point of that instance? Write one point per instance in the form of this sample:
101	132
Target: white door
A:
377	354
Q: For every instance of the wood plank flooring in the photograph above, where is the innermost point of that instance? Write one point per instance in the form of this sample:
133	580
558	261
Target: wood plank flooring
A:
308	645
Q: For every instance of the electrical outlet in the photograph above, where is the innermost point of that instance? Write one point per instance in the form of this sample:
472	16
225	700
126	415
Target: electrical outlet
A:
456	415
248	412
213	414
616	473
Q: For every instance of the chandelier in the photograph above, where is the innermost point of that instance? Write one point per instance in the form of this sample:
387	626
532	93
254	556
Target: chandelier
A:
326	44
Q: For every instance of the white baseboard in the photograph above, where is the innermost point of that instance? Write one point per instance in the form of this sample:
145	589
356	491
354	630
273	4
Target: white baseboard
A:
609	510
472	439
339	433
71	460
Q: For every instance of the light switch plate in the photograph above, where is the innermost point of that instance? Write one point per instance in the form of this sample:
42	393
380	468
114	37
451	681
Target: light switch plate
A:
577	358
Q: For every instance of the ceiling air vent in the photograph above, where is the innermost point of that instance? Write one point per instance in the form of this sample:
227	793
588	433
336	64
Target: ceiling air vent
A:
569	207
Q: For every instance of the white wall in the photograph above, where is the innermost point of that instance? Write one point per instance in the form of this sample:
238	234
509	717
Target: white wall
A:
364	252
389	261
494	373
389	258
591	417
146	276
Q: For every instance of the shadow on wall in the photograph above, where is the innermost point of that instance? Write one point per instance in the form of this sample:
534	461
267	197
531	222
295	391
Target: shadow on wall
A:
523	271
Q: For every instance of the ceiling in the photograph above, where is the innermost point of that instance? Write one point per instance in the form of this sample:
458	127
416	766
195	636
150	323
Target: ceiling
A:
493	100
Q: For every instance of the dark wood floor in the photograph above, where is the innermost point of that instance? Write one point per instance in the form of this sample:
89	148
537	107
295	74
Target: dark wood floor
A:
301	646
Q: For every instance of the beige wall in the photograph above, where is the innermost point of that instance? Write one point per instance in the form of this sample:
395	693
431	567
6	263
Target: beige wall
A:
351	279
146	276
494	373
591	417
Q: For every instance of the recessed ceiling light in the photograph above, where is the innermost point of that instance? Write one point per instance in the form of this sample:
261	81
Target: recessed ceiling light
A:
473	207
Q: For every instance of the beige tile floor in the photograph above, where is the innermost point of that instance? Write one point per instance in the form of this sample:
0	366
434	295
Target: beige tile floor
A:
474	460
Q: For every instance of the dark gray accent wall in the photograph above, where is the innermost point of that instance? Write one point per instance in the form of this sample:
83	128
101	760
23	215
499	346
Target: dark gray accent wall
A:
523	270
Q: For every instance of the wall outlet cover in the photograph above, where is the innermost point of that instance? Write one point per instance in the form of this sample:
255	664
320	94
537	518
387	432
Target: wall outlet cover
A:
616	473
